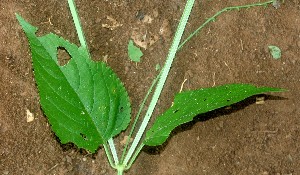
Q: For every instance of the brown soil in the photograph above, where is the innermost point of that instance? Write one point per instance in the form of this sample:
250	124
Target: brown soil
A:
247	139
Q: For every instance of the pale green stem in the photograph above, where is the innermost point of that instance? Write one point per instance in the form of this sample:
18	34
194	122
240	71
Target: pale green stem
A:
113	150
120	169
136	153
120	172
82	41
77	24
108	155
138	115
162	79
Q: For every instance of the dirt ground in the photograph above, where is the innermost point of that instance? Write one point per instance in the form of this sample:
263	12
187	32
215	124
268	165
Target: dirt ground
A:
248	138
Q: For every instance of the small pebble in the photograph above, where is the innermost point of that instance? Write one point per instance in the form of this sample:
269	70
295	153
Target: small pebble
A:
29	116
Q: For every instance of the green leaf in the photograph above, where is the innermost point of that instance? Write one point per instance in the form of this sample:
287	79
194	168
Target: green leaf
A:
134	52
275	52
85	101
191	103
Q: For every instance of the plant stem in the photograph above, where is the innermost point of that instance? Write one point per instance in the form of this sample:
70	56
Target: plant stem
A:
213	18
162	79
108	155
77	24
120	172
138	115
82	41
136	153
113	151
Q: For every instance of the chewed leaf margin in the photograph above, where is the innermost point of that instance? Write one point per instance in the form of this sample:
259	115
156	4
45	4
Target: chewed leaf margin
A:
85	101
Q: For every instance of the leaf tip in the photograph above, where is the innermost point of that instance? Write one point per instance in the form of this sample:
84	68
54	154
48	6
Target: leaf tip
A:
28	28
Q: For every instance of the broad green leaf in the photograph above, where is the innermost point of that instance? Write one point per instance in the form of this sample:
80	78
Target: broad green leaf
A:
275	52
134	52
191	103
85	101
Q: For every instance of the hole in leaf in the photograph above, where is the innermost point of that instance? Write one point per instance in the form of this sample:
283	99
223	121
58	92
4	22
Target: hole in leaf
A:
63	56
121	109
175	111
205	99
83	136
228	100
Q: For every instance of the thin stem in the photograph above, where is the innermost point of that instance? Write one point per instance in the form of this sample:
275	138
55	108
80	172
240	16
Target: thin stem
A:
138	115
113	150
162	78
82	41
77	24
213	18
108	155
120	172
136	153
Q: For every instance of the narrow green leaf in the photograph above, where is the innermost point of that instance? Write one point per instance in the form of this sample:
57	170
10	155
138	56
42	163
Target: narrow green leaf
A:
134	52
85	101
191	103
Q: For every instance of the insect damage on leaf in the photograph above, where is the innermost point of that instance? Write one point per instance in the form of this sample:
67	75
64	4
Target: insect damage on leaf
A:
85	101
191	103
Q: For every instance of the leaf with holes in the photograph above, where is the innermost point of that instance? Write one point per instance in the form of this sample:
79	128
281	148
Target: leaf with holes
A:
191	103
85	101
